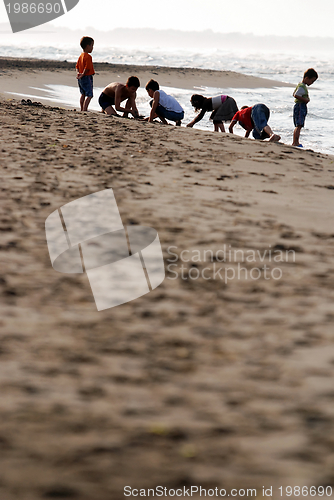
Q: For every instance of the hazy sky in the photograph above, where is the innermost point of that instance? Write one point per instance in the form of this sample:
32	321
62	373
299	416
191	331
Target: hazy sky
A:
283	17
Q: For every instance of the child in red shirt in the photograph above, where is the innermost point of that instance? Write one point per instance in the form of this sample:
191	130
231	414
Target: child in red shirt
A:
255	118
85	72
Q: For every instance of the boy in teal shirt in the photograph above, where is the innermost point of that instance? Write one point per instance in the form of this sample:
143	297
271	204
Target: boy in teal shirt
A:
301	99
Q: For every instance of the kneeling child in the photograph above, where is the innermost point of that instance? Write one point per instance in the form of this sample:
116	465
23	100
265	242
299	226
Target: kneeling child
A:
163	105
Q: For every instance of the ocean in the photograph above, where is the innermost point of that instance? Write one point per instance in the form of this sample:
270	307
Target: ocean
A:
286	66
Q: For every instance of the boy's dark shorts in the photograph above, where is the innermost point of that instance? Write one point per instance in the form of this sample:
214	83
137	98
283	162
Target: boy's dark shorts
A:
86	85
169	115
105	101
299	114
173	116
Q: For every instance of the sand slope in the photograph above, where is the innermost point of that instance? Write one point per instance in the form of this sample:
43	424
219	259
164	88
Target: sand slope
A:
199	382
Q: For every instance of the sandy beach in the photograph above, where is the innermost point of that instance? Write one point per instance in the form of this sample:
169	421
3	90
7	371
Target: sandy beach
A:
214	379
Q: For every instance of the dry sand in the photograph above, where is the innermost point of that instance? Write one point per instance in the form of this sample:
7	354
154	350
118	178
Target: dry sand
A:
199	382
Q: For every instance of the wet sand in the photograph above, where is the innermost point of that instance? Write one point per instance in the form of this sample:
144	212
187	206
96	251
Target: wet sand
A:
23	75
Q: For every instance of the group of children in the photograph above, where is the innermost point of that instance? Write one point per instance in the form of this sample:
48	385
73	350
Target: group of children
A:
224	108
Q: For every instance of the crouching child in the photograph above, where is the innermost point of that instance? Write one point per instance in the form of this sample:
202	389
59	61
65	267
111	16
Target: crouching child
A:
164	106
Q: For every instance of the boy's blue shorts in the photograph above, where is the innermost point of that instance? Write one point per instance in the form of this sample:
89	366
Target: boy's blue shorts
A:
260	116
299	114
86	85
169	115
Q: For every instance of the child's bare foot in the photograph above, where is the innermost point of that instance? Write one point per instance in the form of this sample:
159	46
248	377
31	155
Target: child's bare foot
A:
274	138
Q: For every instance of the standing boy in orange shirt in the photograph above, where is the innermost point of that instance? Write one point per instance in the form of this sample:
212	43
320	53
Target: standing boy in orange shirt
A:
85	71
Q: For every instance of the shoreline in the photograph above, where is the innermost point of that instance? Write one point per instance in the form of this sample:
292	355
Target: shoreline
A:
169	74
39	72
